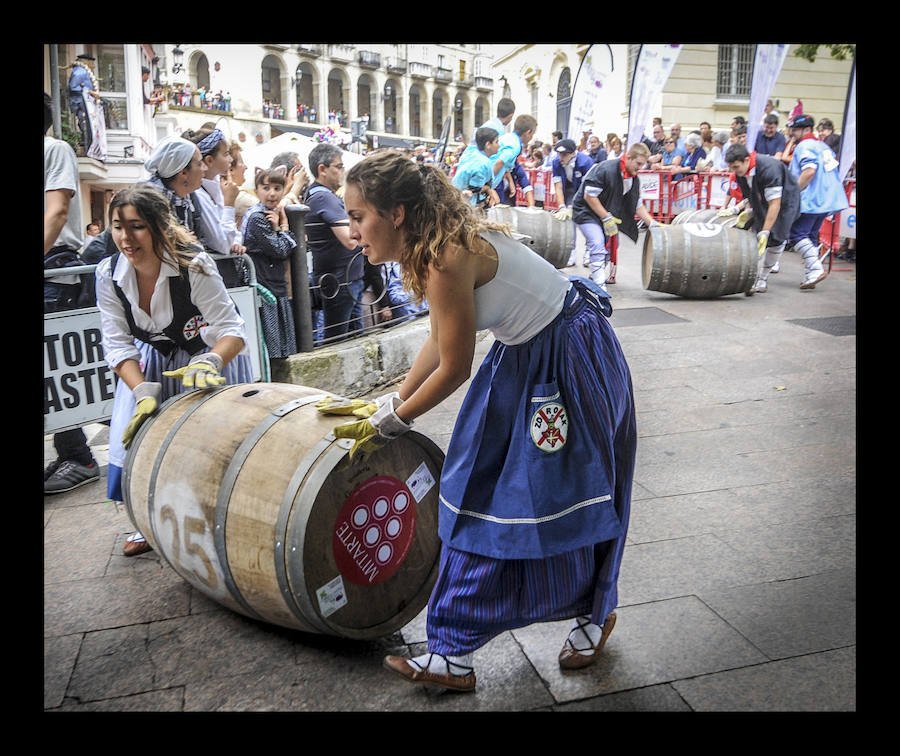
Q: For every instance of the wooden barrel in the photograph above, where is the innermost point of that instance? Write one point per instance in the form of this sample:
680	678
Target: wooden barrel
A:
551	239
248	496
710	215
699	260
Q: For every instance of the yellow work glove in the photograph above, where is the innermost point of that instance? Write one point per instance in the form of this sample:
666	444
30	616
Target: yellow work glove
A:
203	371
380	422
762	238
611	225
727	212
563	214
744	219
146	395
334	406
363	433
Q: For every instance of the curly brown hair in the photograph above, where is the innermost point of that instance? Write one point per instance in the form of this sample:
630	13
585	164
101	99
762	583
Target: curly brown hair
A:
436	215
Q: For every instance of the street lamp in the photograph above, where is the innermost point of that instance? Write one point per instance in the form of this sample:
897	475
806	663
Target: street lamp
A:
177	57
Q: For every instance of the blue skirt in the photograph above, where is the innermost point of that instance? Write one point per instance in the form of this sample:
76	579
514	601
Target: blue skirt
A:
541	458
536	487
239	370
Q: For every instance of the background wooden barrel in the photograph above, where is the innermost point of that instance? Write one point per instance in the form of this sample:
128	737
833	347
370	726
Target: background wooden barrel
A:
710	215
249	497
699	260
551	239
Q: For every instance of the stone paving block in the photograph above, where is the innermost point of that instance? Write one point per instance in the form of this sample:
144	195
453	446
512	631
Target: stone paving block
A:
684	566
652	643
113	601
673	478
272	690
190	649
113	663
821	682
797	549
171	699
792	617
59	661
731	509
78	542
651	698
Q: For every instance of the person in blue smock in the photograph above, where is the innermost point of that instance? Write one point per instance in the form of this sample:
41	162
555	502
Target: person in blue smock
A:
511	146
536	486
815	167
474	174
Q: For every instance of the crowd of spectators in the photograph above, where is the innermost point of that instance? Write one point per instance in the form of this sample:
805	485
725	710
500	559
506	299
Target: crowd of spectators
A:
183	96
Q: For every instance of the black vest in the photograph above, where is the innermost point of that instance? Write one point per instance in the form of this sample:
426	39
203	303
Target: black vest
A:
183	331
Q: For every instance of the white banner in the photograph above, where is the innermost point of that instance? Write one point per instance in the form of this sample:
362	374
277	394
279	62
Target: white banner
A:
848	133
766	68
588	90
654	64
97	122
78	384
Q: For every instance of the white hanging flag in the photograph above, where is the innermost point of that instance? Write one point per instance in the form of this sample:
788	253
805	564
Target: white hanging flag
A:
766	68
588	91
848	132
654	64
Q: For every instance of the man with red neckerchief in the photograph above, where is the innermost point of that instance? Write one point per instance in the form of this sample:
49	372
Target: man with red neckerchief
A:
775	201
609	197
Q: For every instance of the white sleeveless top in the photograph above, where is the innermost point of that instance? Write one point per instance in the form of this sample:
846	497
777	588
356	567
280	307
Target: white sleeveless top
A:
523	297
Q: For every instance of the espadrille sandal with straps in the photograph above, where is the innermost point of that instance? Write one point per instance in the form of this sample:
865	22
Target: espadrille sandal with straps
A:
462	682
572	657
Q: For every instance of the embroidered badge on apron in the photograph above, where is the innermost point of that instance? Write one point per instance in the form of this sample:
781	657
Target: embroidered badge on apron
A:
193	326
550	427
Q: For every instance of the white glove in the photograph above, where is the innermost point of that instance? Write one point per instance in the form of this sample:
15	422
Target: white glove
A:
727	212
385	419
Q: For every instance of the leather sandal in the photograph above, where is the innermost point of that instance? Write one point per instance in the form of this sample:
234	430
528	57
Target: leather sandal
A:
574	658
136	544
462	683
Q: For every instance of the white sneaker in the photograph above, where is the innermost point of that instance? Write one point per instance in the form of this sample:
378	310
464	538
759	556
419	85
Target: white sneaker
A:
776	267
571	260
813	277
760	287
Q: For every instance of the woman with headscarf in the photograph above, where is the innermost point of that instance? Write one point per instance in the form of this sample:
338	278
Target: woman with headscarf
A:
167	322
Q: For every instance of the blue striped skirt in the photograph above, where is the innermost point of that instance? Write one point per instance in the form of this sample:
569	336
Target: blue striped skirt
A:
239	370
476	598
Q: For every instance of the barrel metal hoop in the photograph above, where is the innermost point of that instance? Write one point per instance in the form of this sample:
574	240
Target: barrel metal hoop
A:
227	486
281	528
687	263
307	498
157	463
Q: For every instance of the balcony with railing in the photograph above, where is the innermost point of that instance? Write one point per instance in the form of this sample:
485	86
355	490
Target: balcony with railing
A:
443	74
484	82
395	65
312	50
341	52
422	70
369	59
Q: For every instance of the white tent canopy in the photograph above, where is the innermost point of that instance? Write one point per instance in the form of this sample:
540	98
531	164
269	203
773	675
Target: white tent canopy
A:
262	155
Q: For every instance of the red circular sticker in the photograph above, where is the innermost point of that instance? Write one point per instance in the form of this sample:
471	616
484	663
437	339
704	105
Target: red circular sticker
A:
374	530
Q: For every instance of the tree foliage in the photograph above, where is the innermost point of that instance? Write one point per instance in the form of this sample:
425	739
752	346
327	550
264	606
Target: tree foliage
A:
838	52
